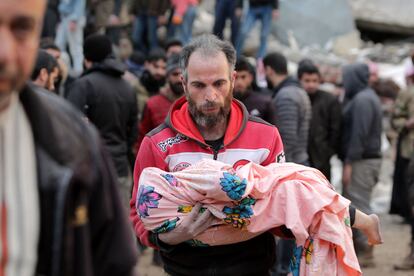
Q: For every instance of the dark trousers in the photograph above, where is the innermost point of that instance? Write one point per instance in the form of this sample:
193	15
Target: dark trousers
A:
226	9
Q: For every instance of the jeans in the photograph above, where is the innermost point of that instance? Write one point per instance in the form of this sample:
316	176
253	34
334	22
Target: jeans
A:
226	9
184	31
145	24
262	13
74	39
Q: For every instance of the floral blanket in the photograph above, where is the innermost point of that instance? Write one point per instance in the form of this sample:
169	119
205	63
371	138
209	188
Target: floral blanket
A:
253	199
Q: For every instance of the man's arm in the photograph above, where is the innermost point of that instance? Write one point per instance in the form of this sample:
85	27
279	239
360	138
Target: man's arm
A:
78	95
148	156
276	154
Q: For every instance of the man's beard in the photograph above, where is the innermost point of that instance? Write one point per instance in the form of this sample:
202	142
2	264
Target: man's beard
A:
209	121
177	88
14	82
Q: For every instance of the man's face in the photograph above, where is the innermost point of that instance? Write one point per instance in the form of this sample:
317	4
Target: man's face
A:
174	80
20	26
244	80
157	69
208	88
310	82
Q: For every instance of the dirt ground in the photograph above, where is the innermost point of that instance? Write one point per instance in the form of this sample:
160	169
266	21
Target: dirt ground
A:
394	249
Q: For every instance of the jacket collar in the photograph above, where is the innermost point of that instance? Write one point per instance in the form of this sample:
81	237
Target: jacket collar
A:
180	120
289	81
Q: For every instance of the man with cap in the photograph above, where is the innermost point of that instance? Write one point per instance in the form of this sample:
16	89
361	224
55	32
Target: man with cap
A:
109	102
157	106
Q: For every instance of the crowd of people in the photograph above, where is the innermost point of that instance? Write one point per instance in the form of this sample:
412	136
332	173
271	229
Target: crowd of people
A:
128	99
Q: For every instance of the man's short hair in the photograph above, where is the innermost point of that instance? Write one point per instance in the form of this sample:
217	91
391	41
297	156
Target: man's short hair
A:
243	64
172	43
209	45
48	43
43	61
156	54
277	62
306	66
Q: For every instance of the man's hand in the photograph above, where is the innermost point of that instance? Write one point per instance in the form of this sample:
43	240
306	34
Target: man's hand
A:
346	175
191	226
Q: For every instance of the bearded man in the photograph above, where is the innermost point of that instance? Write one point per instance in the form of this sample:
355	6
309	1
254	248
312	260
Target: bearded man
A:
157	107
207	123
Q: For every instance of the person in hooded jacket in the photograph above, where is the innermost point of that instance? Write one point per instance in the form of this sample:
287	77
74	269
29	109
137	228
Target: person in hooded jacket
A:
361	147
109	102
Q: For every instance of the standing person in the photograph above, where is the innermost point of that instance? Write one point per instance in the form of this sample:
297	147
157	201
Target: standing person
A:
45	71
361	147
293	114
148	15
51	19
325	125
60	209
263	10
185	12
109	102
100	12
157	106
402	120
226	9
408	262
245	90
70	31
152	78
207	123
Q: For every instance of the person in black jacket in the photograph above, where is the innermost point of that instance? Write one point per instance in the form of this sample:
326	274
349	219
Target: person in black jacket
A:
325	125
60	209
257	102
361	147
108	102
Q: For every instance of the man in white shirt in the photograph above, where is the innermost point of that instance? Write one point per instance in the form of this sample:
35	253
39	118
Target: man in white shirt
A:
60	212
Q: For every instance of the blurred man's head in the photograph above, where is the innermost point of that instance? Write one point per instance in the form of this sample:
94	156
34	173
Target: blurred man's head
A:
173	46
276	69
155	64
49	46
96	49
244	78
208	79
20	26
46	71
309	76
125	48
174	75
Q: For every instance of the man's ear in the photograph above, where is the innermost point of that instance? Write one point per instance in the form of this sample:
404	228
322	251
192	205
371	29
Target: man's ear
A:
184	84
233	78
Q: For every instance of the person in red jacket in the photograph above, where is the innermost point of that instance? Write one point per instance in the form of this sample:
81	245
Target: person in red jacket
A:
157	107
207	123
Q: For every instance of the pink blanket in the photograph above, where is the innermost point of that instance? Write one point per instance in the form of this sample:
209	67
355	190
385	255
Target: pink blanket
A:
251	200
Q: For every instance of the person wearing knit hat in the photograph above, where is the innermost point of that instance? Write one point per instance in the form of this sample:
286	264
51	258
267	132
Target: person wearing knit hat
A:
157	106
110	103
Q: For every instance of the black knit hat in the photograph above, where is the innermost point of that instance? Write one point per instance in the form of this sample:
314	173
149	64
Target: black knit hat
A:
97	47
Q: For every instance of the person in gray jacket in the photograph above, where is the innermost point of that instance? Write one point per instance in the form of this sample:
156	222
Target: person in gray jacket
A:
292	118
361	147
293	108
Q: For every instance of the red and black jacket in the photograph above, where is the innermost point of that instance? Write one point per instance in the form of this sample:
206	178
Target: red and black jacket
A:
177	144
